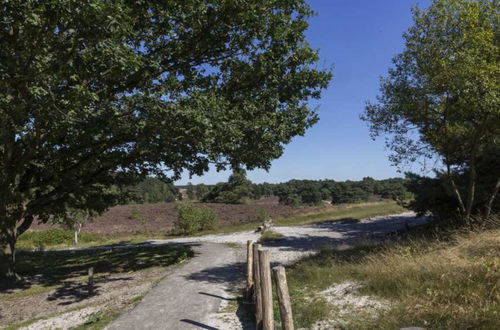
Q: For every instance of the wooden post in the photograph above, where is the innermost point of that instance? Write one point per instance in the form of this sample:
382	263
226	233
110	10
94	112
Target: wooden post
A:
249	269
91	281
256	285
266	290
283	298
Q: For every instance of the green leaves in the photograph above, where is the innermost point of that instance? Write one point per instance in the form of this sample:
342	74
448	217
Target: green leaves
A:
442	96
97	92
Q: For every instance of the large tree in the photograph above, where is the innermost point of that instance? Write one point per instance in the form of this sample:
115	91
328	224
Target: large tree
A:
100	92
441	98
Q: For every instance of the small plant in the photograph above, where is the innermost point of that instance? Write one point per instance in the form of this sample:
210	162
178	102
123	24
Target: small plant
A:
134	213
269	236
192	219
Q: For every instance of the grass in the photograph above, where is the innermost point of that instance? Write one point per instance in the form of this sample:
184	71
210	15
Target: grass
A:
434	284
269	236
54	237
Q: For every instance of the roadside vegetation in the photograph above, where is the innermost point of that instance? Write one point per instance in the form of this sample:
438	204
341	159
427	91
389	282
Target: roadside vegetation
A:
433	281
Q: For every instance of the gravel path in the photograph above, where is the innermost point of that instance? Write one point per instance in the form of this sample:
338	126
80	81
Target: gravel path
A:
191	296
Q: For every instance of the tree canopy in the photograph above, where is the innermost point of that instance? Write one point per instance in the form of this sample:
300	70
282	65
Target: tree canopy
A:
98	93
441	99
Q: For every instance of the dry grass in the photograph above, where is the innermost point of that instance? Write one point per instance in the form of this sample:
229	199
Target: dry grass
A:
452	284
270	235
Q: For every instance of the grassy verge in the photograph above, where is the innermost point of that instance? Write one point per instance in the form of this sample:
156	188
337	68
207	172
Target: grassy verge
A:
452	284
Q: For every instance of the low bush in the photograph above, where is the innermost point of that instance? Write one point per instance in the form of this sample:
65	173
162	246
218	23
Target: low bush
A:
192	219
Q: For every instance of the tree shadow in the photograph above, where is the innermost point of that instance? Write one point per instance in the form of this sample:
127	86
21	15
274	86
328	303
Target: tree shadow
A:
67	270
76	291
349	233
230	274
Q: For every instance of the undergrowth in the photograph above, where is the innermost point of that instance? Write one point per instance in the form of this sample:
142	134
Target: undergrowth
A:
446	283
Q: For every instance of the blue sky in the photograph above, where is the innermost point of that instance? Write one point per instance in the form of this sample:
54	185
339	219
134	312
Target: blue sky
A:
359	38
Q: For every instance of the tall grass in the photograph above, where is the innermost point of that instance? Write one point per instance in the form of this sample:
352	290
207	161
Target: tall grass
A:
452	284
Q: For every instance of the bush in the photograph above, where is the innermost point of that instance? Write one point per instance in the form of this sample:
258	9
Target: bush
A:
192	219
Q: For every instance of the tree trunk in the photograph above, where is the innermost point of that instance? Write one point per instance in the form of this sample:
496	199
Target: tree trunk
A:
471	190
455	190
76	237
7	253
492	199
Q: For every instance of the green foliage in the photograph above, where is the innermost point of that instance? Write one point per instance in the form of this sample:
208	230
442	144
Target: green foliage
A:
299	192
192	219
98	93
191	191
135	214
201	191
436	196
441	99
237	190
152	190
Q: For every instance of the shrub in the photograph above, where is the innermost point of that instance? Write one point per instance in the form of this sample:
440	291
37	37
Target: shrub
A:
192	219
134	213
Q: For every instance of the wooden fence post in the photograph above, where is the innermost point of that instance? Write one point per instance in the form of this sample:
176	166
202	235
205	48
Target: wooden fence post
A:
257	297
249	270
91	281
266	290
283	298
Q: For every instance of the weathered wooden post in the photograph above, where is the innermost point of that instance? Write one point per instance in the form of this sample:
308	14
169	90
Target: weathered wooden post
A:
283	298
91	281
249	290
256	286
266	290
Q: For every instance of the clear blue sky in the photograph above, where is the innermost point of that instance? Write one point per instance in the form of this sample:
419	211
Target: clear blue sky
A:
359	38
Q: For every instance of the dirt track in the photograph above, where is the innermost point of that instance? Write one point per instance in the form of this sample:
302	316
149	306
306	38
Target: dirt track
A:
190	297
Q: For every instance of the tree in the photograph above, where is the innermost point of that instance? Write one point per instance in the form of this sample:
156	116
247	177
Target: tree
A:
99	92
237	190
441	98
190	190
152	190
201	191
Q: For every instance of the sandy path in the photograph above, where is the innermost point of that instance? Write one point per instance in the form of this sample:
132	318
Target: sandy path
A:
190	297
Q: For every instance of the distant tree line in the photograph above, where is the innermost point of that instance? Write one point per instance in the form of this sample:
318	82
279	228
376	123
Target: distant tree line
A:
239	189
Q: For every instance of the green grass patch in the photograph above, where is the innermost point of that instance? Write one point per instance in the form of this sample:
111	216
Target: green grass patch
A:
40	240
451	284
